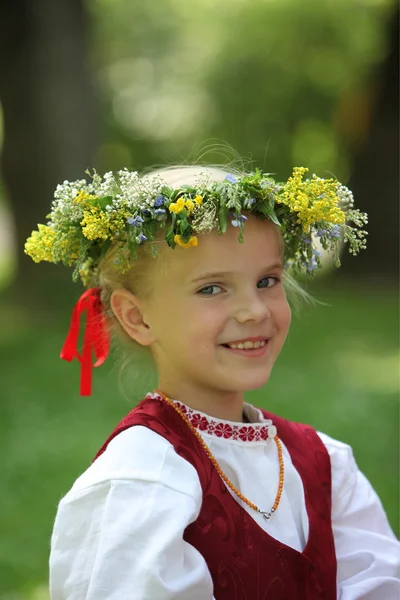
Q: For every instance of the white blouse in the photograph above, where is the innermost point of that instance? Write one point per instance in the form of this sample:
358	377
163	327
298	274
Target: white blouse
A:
118	533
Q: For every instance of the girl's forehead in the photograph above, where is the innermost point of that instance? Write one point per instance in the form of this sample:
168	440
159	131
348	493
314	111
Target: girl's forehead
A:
218	253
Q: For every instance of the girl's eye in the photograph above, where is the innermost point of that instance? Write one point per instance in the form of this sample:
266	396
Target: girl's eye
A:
210	290
267	282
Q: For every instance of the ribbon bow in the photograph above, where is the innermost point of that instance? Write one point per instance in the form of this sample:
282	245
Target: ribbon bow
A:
96	337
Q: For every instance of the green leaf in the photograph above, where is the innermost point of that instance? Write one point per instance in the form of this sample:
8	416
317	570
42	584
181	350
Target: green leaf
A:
175	195
273	217
102	202
223	218
267	211
254	191
185	227
165	191
169	236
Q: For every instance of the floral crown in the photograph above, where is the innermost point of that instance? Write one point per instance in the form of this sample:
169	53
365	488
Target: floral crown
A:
127	210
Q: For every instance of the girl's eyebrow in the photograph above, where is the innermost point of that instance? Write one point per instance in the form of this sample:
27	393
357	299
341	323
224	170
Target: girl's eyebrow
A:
277	265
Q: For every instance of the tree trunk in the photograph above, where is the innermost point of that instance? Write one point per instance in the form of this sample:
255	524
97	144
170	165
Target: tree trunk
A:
49	122
375	174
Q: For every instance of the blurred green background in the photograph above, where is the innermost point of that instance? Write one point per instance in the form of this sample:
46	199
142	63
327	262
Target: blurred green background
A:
114	83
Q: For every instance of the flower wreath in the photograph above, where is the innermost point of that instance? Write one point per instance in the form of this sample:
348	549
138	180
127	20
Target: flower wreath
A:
127	210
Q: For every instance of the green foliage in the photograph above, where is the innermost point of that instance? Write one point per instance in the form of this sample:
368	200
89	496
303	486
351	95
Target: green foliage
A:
286	81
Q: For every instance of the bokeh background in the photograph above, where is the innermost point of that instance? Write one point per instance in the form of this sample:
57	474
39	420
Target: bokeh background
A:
114	83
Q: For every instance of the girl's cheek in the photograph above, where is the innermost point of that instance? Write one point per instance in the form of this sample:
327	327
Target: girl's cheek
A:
287	316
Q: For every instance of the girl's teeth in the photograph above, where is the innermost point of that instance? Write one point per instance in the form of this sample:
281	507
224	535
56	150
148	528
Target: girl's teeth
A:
248	345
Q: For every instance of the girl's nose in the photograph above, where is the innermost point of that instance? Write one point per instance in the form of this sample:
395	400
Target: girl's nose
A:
252	308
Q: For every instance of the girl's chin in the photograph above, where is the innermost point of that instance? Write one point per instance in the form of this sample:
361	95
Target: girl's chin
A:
247	384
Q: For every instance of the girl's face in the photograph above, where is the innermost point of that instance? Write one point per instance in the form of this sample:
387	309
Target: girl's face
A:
218	312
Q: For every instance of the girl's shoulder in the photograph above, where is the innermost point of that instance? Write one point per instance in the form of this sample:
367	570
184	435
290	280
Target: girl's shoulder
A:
344	470
139	454
335	447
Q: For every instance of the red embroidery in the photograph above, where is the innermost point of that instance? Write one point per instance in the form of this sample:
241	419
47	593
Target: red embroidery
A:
223	430
199	422
244	432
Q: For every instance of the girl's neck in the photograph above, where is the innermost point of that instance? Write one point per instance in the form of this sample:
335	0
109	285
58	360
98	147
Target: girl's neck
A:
227	406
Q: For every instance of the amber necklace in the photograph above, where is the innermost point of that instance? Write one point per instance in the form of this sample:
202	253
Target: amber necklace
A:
271	434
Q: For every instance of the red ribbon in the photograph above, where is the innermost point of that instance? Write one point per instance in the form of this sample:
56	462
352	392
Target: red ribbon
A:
96	337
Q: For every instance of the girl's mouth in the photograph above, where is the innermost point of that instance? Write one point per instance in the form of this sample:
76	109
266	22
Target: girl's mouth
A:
249	348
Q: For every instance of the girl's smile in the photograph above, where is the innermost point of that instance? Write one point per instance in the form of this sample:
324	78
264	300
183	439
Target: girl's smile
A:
250	347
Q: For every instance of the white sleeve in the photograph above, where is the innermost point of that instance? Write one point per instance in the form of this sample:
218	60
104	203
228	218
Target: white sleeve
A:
122	538
368	553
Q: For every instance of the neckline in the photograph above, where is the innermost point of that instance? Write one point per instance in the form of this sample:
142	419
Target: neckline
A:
254	432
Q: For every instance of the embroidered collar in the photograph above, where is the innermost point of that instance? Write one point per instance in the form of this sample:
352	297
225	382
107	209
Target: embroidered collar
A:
255	431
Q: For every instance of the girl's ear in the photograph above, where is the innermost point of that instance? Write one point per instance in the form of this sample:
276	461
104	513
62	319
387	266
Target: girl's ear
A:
127	309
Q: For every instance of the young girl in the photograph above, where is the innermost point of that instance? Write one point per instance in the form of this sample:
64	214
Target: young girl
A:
197	495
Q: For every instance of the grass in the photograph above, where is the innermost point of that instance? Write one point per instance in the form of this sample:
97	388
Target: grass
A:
338	372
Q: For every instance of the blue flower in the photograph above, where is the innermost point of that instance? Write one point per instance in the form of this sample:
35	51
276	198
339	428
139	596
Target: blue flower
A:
231	178
141	238
321	232
334	232
313	263
238	219
159	201
135	221
306	240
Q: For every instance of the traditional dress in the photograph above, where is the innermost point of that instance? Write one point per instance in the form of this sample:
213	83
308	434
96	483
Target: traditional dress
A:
152	519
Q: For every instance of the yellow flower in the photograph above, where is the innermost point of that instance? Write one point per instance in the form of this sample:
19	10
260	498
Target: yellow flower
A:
189	204
82	196
98	224
192	242
313	200
178	206
198	200
95	224
41	243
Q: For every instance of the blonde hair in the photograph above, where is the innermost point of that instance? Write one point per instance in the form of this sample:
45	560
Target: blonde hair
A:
138	278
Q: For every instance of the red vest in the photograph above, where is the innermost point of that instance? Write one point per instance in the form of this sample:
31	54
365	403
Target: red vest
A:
244	561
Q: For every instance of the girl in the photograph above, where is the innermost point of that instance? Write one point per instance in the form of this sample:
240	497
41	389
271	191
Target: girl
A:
197	495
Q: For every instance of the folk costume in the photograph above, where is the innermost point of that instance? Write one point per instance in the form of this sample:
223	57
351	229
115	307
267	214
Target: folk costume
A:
178	504
152	518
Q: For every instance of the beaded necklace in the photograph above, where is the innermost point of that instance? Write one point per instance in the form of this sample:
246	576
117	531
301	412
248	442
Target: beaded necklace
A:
271	434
